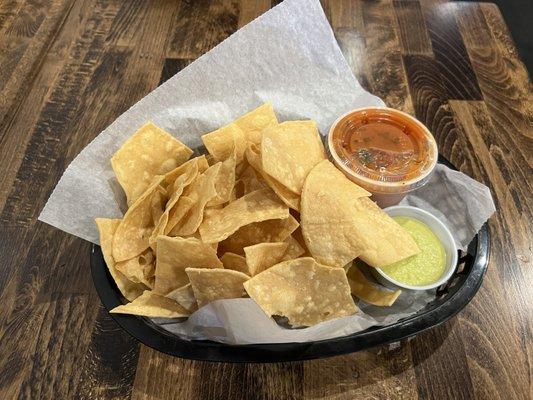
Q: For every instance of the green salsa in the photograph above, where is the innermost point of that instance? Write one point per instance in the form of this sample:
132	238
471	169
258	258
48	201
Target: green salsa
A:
425	267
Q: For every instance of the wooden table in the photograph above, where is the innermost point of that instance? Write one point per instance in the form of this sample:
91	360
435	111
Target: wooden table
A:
68	68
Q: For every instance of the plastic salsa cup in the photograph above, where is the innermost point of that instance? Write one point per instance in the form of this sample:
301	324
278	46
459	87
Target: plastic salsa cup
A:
385	151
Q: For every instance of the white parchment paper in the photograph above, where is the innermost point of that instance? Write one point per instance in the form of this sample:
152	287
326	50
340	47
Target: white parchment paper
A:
288	57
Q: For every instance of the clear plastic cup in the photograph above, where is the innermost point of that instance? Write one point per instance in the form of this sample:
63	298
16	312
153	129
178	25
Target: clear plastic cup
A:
385	151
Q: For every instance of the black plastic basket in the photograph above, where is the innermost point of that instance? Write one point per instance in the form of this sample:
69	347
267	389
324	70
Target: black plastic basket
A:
451	298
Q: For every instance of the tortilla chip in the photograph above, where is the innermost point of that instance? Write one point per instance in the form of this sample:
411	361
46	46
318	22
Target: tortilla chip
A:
339	223
173	213
261	256
292	200
329	226
251	181
201	166
216	284
235	262
290	150
348	266
201	191
152	305
257	206
184	296
386	242
255	121
224	182
174	254
148	152
303	291
157	205
139	269
273	230
225	142
107	228
369	293
178	213
133	233
294	249
197	236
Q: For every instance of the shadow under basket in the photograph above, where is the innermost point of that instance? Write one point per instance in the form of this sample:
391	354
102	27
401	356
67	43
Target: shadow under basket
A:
450	298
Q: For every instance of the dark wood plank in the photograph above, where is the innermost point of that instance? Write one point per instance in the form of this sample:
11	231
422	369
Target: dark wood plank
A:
171	67
383	60
507	90
440	364
250	10
110	363
165	377
473	26
346	18
46	311
509	320
27	31
201	25
24	88
75	110
449	51
413	32
381	373
429	99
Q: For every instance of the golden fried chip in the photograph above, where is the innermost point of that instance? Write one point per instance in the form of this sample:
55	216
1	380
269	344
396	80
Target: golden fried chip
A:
225	142
149	152
216	284
303	291
201	191
329	224
173	212
257	206
197	236
251	181
339	223
253	156
294	249
235	262
264	255
174	254
273	230
157	205
367	292
255	121
152	305
133	233
107	228
178	213
201	166
184	296
139	269
290	150
224	182
386	242
348	266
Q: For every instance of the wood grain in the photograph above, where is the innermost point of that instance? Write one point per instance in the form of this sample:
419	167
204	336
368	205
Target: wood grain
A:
202	24
413	30
68	68
383	56
450	53
110	363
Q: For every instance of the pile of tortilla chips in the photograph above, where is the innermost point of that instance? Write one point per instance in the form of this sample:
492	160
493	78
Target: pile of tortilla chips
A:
263	215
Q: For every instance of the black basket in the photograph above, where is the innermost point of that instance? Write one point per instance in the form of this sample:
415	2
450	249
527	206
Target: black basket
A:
451	298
